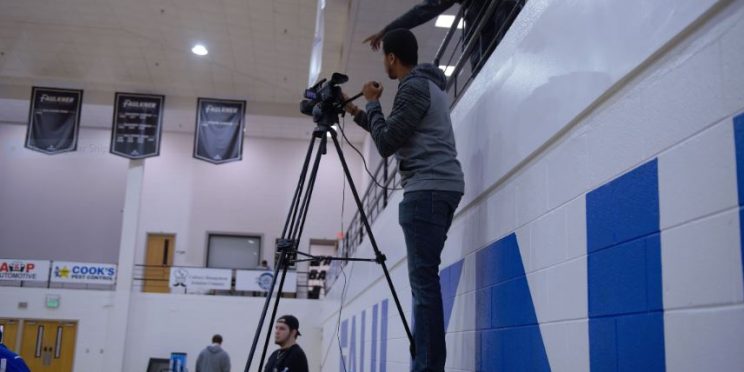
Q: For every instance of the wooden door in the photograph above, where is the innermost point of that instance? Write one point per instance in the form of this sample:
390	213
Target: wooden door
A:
158	260
10	333
48	345
63	348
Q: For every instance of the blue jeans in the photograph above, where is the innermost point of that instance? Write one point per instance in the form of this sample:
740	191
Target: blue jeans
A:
425	217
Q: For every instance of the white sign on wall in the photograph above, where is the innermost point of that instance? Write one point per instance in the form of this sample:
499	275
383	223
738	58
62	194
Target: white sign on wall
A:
192	278
83	272
260	281
27	270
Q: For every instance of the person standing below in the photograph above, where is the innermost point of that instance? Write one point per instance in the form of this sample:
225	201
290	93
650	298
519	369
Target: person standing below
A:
265	265
10	361
290	357
213	358
419	133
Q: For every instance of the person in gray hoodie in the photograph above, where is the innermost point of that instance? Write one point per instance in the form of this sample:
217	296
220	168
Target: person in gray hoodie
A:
419	133
213	358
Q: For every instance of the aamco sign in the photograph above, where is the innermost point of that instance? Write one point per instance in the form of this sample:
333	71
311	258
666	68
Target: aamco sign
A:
84	273
27	270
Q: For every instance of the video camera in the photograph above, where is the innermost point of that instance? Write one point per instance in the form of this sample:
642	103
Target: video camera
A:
326	95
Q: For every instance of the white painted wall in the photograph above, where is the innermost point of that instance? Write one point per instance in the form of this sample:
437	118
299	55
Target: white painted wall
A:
192	198
68	206
577	94
61	207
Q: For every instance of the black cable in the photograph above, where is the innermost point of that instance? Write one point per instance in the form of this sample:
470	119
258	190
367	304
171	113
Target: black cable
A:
366	168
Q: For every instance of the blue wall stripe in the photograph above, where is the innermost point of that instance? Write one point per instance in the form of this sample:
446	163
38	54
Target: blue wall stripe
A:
383	336
344	341
508	336
373	367
352	347
450	279
362	339
739	143
626	326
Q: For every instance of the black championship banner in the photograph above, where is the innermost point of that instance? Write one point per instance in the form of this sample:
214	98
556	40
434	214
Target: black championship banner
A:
138	122
218	137
53	120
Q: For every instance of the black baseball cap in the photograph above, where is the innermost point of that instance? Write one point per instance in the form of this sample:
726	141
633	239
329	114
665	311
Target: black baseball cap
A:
291	322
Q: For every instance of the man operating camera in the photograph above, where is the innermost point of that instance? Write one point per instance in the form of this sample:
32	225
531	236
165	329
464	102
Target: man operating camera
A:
419	132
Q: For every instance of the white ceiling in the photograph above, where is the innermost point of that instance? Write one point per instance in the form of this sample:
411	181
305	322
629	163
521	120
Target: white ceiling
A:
259	50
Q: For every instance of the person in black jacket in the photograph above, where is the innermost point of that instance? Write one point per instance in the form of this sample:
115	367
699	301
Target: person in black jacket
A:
428	9
290	357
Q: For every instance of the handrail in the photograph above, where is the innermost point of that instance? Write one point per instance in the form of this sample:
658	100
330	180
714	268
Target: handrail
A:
450	32
484	19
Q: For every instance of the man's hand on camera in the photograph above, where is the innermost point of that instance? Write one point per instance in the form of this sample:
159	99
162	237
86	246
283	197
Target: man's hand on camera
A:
372	91
350	107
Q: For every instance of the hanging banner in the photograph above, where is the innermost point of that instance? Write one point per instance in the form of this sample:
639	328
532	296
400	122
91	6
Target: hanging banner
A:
53	120
195	279
83	272
137	125
26	270
219	130
260	281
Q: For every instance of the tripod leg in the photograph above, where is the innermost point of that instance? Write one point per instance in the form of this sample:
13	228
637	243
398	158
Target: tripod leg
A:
297	231
281	263
309	191
380	257
291	217
273	313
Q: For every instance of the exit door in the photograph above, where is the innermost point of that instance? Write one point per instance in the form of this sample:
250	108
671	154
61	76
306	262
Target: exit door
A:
48	345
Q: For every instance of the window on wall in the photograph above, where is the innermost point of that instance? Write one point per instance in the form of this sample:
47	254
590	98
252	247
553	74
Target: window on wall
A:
233	251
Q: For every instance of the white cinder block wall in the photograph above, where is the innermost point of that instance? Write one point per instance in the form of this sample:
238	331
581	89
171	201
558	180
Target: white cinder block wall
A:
600	229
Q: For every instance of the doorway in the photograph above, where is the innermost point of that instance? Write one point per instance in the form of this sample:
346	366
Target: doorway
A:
48	345
9	329
158	260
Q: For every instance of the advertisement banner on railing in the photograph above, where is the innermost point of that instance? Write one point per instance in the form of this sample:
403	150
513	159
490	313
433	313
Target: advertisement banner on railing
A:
260	281
26	270
192	278
83	272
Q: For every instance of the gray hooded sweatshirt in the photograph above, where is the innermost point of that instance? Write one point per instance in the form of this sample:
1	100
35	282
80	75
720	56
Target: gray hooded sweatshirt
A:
418	131
213	359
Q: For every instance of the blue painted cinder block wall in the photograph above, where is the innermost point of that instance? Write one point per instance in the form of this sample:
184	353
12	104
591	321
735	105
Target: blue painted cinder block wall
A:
615	246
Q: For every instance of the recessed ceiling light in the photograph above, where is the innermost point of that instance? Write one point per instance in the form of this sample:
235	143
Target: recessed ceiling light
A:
448	70
445	21
199	50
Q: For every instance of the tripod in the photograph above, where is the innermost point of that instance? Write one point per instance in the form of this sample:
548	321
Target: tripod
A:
294	225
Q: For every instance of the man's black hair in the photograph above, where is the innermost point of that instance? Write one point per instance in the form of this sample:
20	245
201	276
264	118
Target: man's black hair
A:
402	43
217	339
